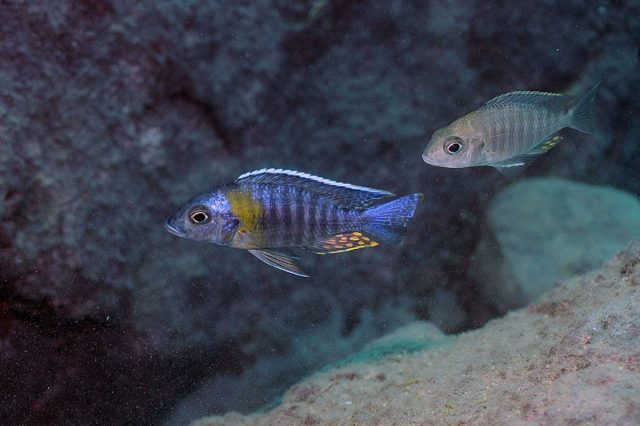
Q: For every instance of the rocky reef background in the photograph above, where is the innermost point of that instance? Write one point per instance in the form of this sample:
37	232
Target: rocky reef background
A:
113	112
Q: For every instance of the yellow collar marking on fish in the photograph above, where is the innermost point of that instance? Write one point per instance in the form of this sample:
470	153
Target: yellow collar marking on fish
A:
247	209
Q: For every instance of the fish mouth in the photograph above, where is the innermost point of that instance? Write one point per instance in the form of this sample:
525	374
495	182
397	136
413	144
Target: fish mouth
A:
172	229
438	163
428	160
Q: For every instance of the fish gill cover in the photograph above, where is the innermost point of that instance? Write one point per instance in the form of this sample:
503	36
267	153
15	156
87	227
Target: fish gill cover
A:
112	113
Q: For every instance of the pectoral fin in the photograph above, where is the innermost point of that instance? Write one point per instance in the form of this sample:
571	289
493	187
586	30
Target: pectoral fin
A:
510	168
281	258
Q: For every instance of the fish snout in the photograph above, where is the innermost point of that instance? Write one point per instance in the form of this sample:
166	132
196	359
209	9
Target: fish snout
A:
425	157
429	156
173	226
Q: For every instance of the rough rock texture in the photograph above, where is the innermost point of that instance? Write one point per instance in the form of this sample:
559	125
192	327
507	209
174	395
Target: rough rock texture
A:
541	231
113	112
572	358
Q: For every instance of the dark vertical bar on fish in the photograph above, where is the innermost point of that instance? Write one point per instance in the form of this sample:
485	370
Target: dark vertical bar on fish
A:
311	228
319	220
300	213
284	215
271	209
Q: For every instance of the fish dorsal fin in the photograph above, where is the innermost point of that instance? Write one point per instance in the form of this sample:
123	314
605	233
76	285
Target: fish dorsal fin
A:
293	177
346	194
553	101
341	243
280	258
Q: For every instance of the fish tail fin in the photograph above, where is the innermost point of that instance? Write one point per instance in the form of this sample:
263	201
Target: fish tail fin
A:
582	114
388	222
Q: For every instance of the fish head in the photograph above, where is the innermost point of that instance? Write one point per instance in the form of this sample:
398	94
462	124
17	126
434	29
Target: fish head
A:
453	148
206	217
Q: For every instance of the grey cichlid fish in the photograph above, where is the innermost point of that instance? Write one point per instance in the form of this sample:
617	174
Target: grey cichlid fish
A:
510	130
269	211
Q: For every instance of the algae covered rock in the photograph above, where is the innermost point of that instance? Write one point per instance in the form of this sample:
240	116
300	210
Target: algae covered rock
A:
413	337
541	231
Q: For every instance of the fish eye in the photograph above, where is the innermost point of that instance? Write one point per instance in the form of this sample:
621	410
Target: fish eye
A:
454	145
199	215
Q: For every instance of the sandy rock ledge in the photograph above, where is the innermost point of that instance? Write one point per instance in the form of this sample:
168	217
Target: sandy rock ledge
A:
572	358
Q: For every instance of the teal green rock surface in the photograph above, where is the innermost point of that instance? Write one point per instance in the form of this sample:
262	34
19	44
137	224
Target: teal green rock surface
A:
417	336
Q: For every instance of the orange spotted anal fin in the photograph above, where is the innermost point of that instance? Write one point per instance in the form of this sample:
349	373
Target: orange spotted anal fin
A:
341	243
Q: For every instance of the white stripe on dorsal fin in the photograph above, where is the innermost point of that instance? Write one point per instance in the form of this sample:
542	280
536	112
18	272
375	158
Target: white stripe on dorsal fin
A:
276	175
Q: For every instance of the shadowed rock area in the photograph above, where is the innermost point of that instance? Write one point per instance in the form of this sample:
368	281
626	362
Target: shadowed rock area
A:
114	112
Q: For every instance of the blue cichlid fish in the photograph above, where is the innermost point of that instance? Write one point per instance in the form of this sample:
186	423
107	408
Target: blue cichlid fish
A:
510	130
269	211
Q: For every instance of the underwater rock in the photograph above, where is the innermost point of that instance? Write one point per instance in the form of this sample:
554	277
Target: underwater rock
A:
570	358
541	231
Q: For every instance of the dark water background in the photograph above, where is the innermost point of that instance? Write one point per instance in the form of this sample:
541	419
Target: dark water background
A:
114	112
